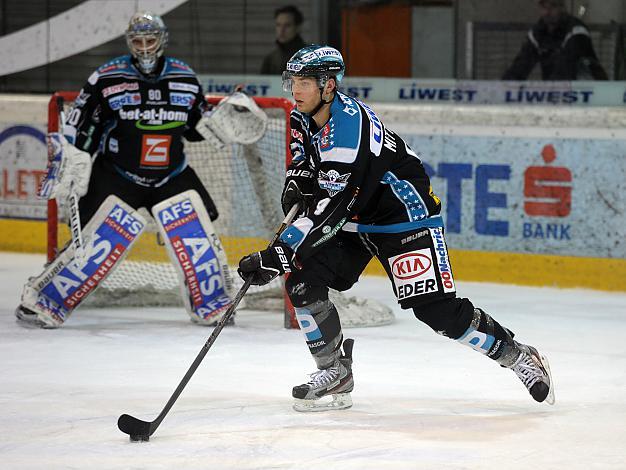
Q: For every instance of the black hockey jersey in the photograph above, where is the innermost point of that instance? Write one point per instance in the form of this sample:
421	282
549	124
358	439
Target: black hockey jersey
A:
137	122
368	179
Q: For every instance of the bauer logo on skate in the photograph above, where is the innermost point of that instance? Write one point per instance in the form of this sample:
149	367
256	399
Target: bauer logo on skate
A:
413	273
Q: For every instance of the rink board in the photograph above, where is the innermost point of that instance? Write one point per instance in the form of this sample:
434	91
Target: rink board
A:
530	196
502	267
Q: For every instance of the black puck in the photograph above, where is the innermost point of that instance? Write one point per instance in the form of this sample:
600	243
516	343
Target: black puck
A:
139	438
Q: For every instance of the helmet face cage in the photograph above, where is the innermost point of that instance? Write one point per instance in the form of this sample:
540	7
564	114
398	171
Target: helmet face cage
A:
146	38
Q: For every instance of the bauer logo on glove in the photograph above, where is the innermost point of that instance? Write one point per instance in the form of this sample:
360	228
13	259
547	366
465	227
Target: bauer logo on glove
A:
264	266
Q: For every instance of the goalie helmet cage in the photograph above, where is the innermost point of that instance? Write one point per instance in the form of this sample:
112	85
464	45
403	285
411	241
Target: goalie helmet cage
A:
245	181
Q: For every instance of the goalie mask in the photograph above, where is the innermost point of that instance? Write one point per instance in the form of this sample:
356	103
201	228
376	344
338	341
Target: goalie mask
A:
146	37
319	62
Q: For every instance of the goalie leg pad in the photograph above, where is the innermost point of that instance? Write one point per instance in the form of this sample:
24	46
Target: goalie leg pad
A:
197	254
70	279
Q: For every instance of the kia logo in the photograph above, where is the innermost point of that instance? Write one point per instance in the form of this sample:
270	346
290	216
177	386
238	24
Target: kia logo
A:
411	265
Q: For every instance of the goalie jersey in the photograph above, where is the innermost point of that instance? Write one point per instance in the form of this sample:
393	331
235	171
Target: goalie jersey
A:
136	122
368	179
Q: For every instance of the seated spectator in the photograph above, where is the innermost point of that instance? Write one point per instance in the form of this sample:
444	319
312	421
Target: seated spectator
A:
288	20
561	44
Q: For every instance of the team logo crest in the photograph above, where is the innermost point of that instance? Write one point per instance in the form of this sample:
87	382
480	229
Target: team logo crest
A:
333	182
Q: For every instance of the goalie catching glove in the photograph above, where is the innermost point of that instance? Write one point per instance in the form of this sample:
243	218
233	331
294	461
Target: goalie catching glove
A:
68	170
235	120
264	266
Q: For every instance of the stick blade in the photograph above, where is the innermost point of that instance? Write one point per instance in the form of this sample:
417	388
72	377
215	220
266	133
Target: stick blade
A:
133	426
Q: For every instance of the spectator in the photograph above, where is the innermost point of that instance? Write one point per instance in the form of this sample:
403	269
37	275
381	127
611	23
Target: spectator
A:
288	20
561	44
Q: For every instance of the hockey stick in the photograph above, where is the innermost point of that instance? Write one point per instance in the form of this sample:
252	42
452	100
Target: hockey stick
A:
77	231
139	430
75	228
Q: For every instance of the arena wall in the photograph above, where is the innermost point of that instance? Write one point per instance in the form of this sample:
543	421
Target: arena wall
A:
531	195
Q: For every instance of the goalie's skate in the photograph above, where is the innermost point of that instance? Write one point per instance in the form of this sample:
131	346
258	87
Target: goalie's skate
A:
533	370
328	389
29	319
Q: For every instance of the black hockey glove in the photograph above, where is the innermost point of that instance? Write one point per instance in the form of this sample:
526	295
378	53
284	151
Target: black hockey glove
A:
299	187
264	266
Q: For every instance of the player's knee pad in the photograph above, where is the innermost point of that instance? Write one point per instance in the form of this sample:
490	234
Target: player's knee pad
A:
301	293
448	316
197	254
319	321
71	278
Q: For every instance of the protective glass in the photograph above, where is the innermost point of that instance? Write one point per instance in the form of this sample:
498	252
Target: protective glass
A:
289	84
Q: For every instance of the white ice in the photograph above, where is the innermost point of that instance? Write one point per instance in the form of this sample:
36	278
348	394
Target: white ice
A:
421	400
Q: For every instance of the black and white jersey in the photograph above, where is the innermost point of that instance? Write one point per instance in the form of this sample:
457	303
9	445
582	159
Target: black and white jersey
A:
368	178
137	122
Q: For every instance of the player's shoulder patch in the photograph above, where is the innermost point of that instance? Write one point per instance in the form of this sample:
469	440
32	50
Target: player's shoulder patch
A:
117	65
176	67
340	138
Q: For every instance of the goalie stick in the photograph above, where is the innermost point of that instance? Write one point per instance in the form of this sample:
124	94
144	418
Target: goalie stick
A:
140	430
75	227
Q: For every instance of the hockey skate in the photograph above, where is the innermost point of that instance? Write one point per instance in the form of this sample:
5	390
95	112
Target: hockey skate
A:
336	383
534	372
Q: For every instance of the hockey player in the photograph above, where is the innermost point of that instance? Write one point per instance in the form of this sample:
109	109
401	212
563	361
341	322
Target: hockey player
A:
132	115
364	193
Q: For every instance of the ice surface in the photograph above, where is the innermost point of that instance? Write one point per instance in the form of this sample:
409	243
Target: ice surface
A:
421	400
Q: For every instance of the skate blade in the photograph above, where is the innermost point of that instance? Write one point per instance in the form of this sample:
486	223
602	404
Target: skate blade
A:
339	401
550	398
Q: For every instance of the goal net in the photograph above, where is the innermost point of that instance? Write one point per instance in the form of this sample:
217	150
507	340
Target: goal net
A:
245	182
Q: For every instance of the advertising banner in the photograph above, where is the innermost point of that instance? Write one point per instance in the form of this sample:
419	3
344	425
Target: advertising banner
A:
456	92
23	157
529	195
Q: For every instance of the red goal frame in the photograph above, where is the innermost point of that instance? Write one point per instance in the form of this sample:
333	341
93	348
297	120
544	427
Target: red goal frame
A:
55	105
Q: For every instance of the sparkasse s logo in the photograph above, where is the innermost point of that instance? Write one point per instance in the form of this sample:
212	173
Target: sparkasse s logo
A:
547	193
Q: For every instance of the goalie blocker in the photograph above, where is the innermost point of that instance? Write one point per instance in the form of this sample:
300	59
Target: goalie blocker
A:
49	299
198	255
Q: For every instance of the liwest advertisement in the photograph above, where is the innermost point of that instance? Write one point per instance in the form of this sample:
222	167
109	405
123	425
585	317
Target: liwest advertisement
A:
454	92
